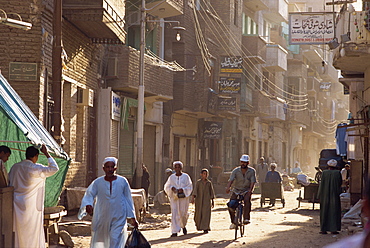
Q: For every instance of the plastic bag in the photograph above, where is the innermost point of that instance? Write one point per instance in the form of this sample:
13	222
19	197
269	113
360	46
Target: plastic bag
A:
137	240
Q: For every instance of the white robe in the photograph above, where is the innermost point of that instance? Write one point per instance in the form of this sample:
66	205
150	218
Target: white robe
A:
110	211
28	180
179	206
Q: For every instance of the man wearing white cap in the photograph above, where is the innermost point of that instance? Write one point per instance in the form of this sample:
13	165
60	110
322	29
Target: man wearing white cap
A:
178	188
113	205
242	178
329	191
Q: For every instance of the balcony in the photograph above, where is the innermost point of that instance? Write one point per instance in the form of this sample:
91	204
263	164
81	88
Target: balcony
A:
328	73
313	54
277	11
123	75
354	54
255	49
300	117
166	8
276	58
100	19
256	5
277	111
261	103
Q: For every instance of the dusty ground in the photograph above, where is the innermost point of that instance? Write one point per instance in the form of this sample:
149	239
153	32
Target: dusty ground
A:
273	227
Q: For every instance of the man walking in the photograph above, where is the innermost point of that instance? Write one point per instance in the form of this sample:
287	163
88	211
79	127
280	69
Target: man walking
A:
261	170
329	191
242	179
109	199
179	188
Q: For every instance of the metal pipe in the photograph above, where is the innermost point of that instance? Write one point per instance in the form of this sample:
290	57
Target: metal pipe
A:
140	99
57	71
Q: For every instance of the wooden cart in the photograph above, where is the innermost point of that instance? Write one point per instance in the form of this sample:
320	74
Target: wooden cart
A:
309	195
272	190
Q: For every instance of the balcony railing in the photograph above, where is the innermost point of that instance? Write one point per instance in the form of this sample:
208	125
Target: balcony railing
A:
351	31
255	49
100	19
276	58
277	11
124	77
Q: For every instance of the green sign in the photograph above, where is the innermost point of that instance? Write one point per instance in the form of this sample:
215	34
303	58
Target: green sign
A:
23	71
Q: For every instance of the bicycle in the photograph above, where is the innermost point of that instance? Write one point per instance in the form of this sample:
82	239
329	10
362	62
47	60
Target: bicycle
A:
238	219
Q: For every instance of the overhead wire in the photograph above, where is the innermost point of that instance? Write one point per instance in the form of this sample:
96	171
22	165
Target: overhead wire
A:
245	71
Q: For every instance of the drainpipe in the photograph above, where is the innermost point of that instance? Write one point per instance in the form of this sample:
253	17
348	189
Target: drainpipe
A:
57	71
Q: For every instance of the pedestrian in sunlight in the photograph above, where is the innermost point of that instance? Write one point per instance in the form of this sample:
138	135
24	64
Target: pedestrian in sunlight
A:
203	197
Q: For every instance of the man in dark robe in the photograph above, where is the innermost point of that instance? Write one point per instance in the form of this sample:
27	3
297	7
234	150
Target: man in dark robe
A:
329	191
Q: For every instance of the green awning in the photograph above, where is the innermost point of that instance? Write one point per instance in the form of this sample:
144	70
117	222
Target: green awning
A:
19	128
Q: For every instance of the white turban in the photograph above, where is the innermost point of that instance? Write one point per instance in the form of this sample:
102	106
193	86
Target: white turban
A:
178	162
110	159
332	162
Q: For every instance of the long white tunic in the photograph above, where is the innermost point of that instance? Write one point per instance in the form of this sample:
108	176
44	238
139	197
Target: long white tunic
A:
110	211
179	206
28	180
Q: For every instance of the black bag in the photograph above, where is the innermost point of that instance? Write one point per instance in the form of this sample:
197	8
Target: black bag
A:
137	240
181	195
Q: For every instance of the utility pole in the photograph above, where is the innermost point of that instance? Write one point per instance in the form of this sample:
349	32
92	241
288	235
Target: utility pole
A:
140	99
57	88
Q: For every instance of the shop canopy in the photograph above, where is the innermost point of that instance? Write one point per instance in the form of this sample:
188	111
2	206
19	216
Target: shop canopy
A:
19	128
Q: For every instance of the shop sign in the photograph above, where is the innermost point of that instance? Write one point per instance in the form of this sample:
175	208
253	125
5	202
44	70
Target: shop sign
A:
116	106
212	130
227	103
231	64
22	71
229	85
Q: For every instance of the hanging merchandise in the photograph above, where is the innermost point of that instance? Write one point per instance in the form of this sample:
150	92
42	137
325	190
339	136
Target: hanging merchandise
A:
341	143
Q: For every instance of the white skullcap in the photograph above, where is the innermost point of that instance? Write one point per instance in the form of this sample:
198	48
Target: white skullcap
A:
178	162
332	162
110	159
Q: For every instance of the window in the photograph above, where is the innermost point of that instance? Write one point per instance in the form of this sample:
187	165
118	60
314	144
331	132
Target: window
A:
249	26
266	30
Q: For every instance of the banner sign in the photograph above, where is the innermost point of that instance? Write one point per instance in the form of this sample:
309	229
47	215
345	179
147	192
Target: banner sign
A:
310	28
227	103
231	64
23	71
116	106
212	130
228	85
325	86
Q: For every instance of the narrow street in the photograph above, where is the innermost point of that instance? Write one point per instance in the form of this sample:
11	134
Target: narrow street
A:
273	227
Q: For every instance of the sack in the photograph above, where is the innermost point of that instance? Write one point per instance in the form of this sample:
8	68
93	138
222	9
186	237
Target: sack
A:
233	204
137	240
181	195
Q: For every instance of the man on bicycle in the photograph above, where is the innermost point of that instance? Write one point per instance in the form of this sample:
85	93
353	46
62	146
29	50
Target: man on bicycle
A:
243	179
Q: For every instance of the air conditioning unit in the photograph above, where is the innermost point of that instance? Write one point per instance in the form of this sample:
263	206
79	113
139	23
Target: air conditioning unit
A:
85	97
133	18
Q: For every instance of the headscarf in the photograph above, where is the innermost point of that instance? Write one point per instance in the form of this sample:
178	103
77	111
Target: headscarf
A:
110	159
332	162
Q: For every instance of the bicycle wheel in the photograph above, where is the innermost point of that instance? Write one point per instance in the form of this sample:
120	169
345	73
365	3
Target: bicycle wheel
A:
241	225
236	222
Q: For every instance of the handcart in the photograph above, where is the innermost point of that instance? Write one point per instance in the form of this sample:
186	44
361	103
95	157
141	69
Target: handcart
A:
272	190
309	195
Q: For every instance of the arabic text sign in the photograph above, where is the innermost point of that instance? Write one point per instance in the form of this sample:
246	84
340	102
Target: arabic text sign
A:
310	28
23	71
228	103
231	64
116	106
325	86
212	130
229	85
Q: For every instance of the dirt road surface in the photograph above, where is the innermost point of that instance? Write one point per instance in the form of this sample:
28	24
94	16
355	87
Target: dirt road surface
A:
272	227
